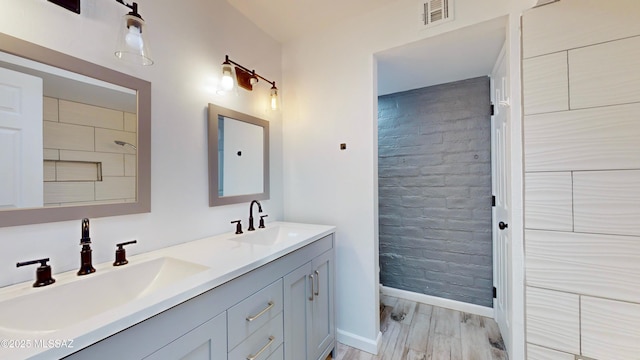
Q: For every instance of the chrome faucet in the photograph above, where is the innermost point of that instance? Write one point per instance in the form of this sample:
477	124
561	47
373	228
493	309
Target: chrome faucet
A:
86	266
251	228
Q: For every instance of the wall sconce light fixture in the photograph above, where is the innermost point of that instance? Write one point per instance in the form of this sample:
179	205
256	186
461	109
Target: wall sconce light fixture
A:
245	79
132	44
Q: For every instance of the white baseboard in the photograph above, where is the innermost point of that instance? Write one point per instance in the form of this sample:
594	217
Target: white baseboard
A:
437	301
359	342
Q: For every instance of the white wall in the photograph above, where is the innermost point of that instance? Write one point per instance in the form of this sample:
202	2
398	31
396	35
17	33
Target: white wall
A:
582	178
329	97
188	43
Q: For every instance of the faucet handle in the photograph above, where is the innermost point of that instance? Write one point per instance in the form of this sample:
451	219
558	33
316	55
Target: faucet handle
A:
121	253
43	272
238	226
261	226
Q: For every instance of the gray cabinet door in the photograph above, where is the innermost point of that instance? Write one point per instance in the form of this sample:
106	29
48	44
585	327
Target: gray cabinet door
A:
297	293
206	342
320	328
308	309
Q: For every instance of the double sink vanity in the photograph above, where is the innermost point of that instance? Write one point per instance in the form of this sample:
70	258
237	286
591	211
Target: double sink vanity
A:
265	294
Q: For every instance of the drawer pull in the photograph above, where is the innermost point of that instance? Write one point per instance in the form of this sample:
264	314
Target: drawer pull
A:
312	291
253	357
269	306
317	293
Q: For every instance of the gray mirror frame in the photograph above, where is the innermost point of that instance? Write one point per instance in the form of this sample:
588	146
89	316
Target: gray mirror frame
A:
57	59
214	199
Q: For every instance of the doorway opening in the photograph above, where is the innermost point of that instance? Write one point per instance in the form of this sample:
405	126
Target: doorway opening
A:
434	191
436	168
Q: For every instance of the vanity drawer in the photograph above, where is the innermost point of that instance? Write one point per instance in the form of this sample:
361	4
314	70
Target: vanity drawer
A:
253	312
278	354
263	342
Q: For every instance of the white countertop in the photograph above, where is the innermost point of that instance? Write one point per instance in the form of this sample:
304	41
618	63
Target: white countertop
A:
226	259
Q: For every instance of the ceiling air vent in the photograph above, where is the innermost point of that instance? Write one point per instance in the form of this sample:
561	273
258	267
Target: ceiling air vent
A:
436	11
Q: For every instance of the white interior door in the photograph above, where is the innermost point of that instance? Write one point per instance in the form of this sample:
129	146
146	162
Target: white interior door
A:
500	142
21	167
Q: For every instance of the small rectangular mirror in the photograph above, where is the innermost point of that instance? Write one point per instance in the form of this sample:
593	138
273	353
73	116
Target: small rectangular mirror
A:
238	157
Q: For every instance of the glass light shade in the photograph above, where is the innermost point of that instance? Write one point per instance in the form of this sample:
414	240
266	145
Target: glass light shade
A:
274	98
227	81
132	45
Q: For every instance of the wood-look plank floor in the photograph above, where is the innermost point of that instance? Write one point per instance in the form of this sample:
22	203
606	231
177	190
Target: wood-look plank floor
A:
415	331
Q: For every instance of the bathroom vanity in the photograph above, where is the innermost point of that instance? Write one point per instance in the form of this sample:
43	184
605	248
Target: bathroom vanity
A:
263	295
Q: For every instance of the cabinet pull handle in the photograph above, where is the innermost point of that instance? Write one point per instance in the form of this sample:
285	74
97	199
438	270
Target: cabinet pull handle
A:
312	291
317	293
253	357
269	306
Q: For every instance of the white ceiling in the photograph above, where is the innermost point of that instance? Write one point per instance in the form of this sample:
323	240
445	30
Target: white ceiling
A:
457	55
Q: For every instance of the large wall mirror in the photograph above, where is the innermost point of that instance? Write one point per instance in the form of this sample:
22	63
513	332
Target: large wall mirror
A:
75	137
238	157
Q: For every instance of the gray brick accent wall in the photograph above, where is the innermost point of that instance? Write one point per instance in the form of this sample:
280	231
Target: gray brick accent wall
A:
434	169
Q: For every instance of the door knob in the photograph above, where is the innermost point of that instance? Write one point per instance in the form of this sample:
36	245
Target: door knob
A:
502	225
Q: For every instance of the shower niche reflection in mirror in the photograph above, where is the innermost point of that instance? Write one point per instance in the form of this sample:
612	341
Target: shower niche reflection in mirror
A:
238	157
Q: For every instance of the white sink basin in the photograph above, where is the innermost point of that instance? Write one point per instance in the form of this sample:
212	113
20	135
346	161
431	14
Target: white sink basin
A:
64	304
273	235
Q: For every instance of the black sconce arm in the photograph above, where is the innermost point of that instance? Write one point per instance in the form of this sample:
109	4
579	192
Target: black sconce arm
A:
133	6
253	72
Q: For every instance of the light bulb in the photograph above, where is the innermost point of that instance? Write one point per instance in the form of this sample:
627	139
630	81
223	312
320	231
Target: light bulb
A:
227	77
134	38
274	99
227	82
